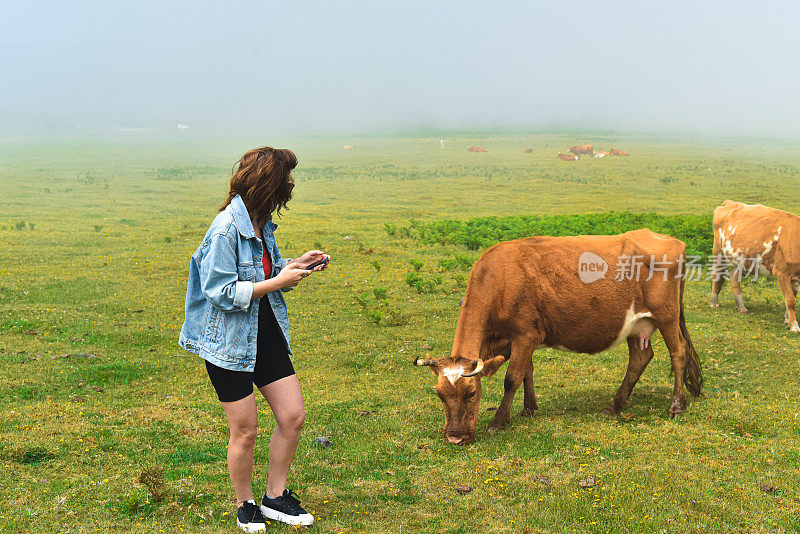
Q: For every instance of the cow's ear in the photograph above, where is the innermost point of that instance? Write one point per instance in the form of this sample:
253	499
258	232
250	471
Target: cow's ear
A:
430	363
491	366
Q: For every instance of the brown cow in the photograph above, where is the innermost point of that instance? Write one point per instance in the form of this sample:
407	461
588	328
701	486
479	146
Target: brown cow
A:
753	237
615	152
476	149
552	291
567	157
528	150
582	149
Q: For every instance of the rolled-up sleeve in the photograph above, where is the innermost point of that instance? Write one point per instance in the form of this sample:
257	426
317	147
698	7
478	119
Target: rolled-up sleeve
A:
219	276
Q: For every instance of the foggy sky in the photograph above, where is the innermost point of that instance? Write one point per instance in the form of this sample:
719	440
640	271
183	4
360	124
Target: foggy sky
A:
347	67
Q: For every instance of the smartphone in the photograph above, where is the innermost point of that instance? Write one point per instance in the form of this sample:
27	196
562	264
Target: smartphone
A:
316	263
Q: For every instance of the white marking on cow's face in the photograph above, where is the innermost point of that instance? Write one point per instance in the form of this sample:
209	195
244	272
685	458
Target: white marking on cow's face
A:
453	373
635	324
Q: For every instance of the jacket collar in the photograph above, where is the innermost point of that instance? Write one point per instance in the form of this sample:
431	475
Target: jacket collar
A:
242	218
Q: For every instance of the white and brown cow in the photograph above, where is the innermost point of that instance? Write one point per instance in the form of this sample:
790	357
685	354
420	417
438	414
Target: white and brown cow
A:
746	235
560	292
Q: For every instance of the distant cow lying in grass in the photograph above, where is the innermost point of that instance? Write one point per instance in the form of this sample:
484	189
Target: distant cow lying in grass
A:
582	149
567	157
554	292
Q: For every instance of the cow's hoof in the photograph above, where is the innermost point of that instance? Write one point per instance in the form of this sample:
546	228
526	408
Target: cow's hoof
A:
713	305
795	328
678	407
613	408
494	427
743	310
527	412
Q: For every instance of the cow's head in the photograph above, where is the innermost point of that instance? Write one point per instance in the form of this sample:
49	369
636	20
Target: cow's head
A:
458	384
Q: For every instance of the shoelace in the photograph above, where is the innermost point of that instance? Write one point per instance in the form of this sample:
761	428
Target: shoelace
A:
250	510
293	501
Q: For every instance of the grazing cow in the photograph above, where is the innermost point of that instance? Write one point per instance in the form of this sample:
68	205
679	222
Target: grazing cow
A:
615	152
567	157
347	147
751	237
554	292
528	150
582	149
476	149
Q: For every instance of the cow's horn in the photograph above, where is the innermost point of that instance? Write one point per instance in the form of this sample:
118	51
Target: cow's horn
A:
478	369
424	361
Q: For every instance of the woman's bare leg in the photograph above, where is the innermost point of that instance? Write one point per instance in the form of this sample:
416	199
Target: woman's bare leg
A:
243	422
286	400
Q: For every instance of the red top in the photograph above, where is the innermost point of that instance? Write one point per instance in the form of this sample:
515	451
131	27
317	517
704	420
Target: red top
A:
267	265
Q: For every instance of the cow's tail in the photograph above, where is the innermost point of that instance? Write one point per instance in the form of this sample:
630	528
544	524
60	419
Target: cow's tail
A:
692	374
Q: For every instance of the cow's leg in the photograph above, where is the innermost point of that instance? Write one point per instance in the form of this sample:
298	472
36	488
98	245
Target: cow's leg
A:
789	298
638	358
521	351
719	276
529	405
794	292
674	340
736	286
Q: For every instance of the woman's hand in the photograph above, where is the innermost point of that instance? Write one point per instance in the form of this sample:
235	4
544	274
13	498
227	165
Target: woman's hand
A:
291	275
312	256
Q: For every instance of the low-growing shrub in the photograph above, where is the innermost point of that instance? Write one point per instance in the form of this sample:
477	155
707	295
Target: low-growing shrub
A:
413	278
482	232
374	315
395	318
379	292
416	264
363	299
184	173
460	262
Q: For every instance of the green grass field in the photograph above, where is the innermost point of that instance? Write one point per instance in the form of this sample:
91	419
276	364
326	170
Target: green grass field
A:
95	239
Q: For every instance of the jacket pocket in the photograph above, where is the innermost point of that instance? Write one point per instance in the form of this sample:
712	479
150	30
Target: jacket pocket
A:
235	329
247	271
211	326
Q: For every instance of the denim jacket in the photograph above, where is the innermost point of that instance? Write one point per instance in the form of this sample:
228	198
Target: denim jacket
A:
221	323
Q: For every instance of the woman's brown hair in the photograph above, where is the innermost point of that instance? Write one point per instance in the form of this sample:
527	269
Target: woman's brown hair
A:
264	182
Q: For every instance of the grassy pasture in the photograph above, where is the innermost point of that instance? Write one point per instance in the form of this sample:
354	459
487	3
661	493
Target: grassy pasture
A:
95	237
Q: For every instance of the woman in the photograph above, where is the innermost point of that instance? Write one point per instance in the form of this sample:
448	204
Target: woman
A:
236	320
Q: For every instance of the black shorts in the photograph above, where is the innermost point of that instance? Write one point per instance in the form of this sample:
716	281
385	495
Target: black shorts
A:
272	361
